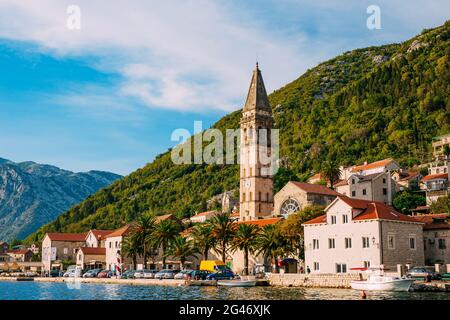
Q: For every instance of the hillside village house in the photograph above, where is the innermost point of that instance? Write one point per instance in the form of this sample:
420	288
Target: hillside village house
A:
58	248
23	255
295	196
435	186
370	181
91	258
203	216
96	238
436	233
113	245
439	144
357	233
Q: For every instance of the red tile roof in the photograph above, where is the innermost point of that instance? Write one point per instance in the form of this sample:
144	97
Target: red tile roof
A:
119	232
434	221
410	176
372	165
20	251
341	183
314	188
67	237
93	251
201	214
317	220
370	210
435	176
261	222
100	234
165	217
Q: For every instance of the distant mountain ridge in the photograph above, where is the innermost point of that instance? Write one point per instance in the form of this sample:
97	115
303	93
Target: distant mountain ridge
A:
33	194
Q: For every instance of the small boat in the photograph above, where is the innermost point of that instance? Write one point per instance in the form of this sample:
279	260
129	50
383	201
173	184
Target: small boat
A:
237	283
378	281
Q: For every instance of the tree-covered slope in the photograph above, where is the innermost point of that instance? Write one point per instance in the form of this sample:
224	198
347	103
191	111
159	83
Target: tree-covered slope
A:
365	104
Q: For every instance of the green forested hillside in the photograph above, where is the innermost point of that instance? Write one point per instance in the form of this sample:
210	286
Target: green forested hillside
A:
365	104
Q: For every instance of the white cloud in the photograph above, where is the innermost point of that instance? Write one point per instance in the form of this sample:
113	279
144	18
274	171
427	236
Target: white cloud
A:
185	55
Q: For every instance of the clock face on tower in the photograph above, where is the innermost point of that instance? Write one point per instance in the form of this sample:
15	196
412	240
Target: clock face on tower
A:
247	183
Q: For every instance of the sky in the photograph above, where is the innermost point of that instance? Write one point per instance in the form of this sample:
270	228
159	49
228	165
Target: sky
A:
108	95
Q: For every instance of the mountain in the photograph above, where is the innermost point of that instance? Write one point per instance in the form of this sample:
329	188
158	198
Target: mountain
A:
364	105
32	194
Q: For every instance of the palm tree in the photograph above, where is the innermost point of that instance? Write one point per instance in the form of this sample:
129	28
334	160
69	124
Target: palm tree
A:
270	244
130	248
143	230
164	234
222	231
331	172
246	240
183	249
202	238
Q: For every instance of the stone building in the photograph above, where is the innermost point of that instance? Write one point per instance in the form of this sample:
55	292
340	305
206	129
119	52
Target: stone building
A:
256	185
436	233
357	233
295	196
91	258
22	255
59	248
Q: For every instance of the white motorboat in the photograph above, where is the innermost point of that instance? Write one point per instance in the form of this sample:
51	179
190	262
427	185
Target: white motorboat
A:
237	283
378	281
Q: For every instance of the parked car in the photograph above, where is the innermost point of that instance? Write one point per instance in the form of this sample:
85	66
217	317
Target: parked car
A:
105	274
55	273
197	274
182	274
129	274
145	274
70	273
423	272
92	273
166	274
225	274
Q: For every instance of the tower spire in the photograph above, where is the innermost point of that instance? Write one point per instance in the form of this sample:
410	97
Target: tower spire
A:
257	95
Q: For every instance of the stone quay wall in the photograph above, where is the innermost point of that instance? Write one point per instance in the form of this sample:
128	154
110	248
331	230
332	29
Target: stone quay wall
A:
322	280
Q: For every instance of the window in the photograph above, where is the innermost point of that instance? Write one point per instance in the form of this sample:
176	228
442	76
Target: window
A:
364	192
243	197
315	244
348	243
366	264
251	172
391	241
353	193
116	245
65	251
331	243
333	219
384	191
412	243
365	242
316	266
441	243
244	173
250	198
353	181
267	197
345	218
289	206
341	268
110	245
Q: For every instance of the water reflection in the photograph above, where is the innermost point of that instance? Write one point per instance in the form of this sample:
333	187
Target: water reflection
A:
85	291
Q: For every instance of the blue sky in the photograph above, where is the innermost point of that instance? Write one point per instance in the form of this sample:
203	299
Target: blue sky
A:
109	95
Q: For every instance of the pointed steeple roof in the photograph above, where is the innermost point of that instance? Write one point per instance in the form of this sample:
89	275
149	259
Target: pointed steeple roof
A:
257	95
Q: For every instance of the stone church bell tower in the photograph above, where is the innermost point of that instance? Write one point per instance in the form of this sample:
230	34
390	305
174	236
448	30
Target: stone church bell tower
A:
256	183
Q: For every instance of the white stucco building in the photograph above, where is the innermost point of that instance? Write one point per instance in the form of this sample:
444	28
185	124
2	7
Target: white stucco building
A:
356	233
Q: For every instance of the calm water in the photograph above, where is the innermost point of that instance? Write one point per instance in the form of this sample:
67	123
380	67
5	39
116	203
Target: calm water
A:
63	291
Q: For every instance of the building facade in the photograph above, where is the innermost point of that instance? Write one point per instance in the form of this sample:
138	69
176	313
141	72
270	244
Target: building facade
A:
295	196
256	185
436	233
60	248
357	233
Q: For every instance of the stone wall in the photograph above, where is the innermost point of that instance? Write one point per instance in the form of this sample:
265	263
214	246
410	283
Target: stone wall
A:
322	280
